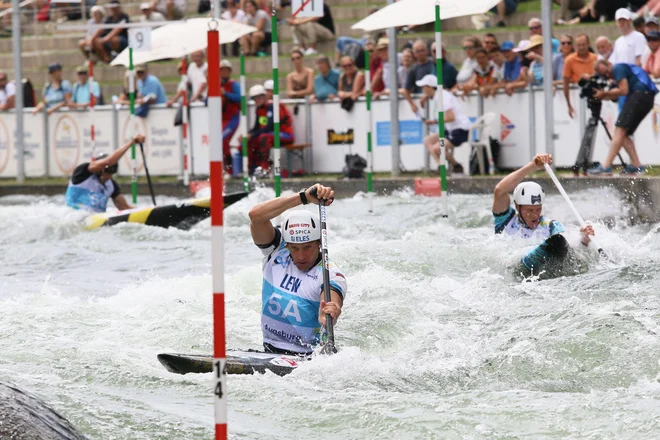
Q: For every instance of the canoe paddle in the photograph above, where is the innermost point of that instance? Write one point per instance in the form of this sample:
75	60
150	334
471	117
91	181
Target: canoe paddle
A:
572	206
329	346
146	170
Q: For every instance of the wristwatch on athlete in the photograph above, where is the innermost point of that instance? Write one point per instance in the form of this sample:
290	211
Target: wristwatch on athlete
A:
303	196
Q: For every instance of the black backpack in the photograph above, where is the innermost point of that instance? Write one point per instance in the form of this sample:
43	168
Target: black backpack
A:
356	53
355	166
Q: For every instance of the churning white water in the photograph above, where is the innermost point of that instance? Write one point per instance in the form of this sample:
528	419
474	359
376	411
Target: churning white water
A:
438	338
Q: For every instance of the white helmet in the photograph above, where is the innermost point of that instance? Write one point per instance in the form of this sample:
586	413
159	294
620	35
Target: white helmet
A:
301	227
529	193
257	90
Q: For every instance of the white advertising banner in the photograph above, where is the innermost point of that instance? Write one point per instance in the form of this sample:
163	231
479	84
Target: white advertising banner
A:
199	140
334	134
70	138
567	130
34	150
161	148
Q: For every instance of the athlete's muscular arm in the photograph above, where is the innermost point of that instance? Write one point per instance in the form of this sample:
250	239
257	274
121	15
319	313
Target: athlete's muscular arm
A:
121	203
97	166
501	199
333	308
262	229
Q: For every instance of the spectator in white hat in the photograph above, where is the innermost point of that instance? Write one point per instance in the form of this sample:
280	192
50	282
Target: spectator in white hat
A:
269	86
630	46
456	122
148	14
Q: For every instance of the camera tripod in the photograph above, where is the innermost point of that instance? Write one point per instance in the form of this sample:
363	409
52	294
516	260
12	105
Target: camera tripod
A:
584	157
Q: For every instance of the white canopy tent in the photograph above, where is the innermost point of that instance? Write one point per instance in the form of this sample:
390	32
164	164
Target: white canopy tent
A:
414	12
181	38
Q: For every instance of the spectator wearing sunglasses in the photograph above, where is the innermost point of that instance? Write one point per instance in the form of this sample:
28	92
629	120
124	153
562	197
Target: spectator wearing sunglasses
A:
300	82
470	46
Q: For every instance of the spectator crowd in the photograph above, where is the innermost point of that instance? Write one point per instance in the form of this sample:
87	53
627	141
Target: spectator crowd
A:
489	66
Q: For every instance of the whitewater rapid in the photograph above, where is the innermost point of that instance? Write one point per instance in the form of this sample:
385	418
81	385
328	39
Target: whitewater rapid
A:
438	339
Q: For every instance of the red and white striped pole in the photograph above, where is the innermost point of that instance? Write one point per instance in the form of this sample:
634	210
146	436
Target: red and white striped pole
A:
217	238
92	103
184	121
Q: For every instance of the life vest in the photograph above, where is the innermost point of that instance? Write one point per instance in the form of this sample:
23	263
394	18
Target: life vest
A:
90	194
291	300
264	113
515	227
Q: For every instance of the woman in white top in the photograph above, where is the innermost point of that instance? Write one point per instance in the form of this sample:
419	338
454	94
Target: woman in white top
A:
457	123
252	43
470	46
98	14
235	14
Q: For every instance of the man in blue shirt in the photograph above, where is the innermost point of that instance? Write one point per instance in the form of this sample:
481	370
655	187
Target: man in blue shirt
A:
639	91
80	93
149	87
326	82
512	64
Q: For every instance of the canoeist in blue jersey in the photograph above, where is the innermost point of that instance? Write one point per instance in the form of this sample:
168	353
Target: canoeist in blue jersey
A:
91	184
293	310
526	220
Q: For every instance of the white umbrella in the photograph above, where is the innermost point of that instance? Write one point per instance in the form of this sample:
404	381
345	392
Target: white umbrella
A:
179	39
408	12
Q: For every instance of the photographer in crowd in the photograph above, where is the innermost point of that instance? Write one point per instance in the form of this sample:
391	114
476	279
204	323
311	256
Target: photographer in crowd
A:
639	91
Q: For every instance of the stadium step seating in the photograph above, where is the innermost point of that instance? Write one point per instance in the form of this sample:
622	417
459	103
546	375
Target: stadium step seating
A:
43	44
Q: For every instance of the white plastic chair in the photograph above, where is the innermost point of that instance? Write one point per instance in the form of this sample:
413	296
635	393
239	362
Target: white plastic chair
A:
485	125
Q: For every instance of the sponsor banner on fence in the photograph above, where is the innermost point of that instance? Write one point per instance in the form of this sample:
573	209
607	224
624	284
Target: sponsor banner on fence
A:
162	147
34	152
70	138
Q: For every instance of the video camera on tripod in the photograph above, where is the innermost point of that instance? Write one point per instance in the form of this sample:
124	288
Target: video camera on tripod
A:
588	88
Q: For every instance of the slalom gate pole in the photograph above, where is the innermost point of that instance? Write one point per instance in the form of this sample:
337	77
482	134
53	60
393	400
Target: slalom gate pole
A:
441	110
184	122
131	94
276	104
370	158
92	103
217	220
243	127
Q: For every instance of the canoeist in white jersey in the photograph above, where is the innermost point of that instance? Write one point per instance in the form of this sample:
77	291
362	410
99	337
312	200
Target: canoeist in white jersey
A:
293	310
527	220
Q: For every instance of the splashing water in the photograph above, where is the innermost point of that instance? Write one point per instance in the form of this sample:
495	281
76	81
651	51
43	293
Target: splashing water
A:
437	337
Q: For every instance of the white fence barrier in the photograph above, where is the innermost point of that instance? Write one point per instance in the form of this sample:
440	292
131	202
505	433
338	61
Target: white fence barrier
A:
55	144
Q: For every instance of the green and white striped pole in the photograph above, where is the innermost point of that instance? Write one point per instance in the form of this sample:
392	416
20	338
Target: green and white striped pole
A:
276	104
441	109
370	161
246	171
131	94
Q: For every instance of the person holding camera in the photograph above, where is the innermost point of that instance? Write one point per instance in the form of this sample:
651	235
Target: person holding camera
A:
639	91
